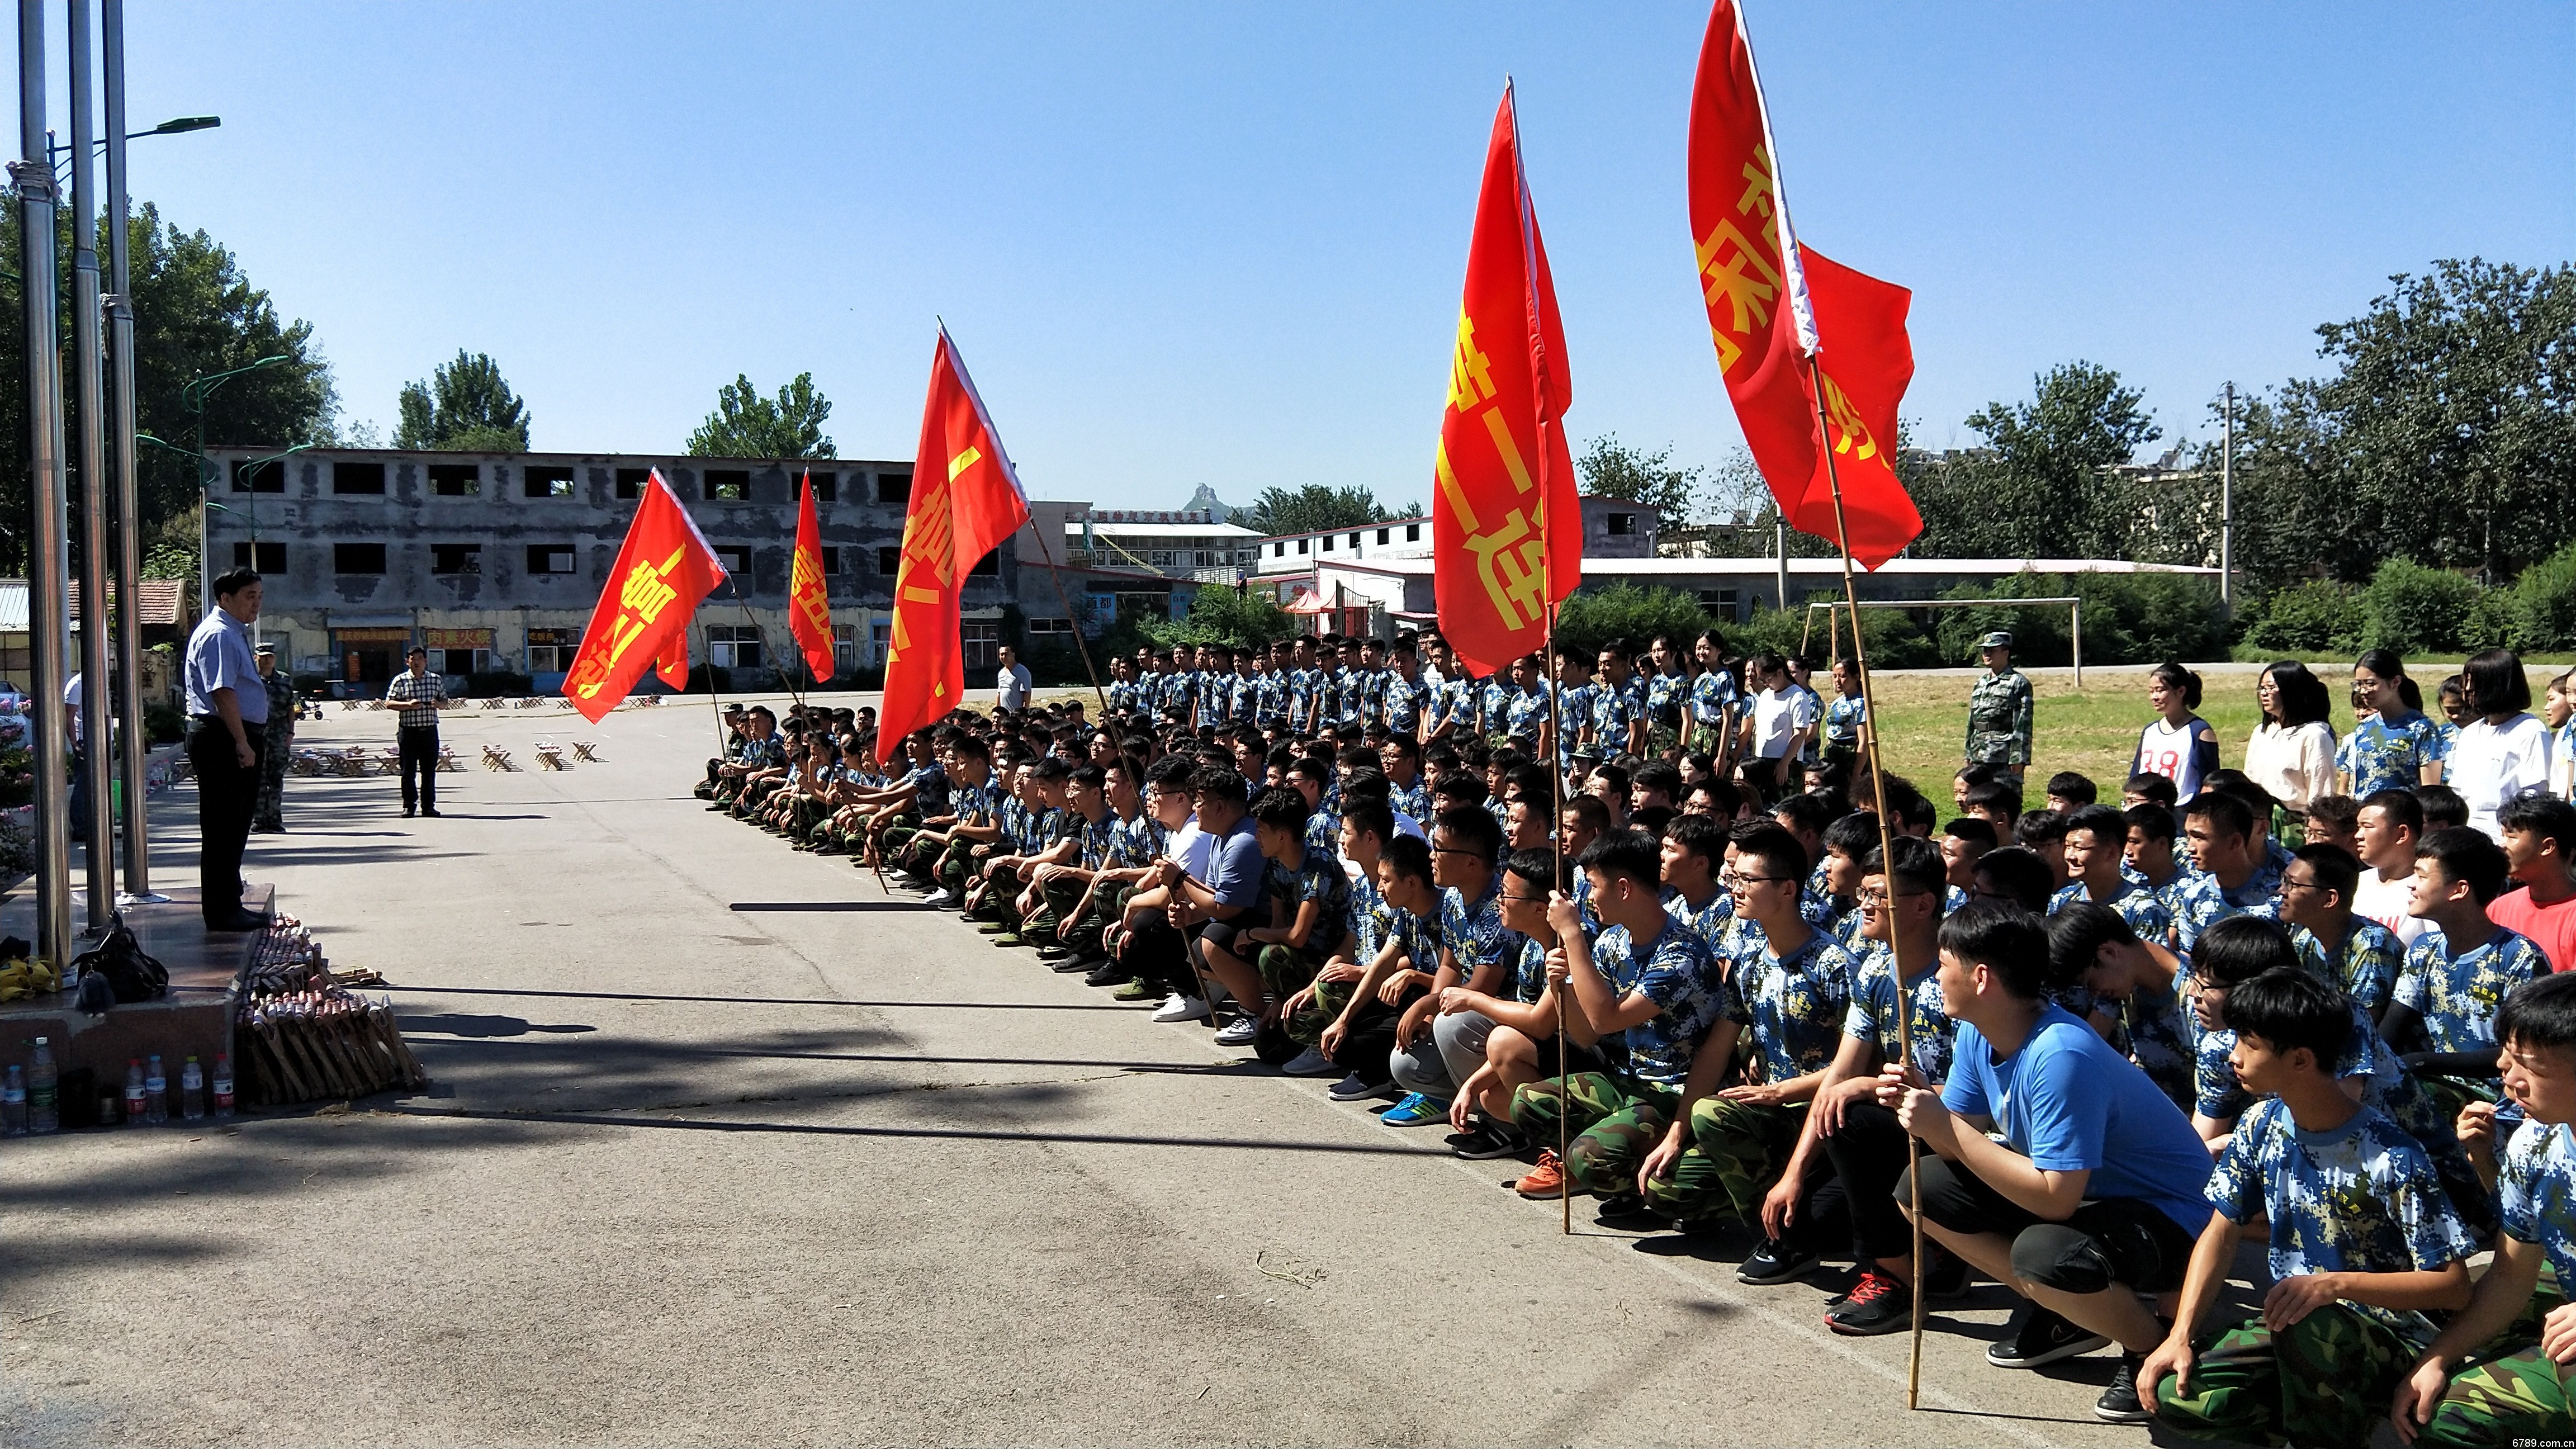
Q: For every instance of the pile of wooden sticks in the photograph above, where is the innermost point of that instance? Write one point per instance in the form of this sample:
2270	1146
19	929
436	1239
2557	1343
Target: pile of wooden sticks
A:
303	1036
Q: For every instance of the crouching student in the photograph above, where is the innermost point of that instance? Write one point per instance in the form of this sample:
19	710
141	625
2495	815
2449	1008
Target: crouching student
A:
2486	1379
1494	1043
1361	1038
1476	949
2089	1200
1308	917
2363	1242
1366	827
1650	981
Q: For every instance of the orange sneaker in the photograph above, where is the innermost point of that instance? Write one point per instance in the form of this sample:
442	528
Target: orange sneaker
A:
1547	1179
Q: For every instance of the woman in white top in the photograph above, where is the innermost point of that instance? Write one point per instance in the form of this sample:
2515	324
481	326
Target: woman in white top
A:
2292	753
2179	744
2504	751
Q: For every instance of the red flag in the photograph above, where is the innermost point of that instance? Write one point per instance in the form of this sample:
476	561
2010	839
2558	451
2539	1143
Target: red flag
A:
673	665
1758	282
663	570
966	499
809	613
1506	523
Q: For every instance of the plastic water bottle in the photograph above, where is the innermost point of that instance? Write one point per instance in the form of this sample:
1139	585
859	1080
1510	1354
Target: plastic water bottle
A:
44	1092
133	1090
156	1093
223	1084
192	1091
13	1104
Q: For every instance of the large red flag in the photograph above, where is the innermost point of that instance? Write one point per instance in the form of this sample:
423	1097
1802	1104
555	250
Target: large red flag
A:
1506	522
643	615
809	612
966	500
1758	282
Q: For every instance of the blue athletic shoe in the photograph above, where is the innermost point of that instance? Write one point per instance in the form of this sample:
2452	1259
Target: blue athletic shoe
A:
1416	1110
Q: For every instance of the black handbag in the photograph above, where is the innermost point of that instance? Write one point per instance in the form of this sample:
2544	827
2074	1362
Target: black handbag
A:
124	965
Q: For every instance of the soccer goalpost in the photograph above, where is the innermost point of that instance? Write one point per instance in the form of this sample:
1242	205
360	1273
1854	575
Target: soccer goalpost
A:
1835	608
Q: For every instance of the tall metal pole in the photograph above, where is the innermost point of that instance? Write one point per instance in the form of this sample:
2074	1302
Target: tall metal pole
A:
95	688
129	513
1780	547
47	558
2227	509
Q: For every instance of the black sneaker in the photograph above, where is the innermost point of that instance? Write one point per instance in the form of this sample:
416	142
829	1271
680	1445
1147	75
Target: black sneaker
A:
2119	1403
1068	965
1485	1142
1946	1280
1628	1212
2043	1338
1876	1304
1775	1262
1107	973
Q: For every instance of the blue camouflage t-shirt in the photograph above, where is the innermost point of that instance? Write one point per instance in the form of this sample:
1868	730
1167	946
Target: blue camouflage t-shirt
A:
1794	1006
1872	1017
2458	994
2536	1185
1677	974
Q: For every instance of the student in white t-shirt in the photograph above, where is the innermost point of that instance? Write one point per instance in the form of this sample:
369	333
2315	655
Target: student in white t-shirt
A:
1783	717
2384	835
2292	751
2504	750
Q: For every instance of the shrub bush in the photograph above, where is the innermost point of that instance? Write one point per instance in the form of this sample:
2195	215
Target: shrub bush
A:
2319	617
1594	614
2416	610
1895	640
2128	619
2544	604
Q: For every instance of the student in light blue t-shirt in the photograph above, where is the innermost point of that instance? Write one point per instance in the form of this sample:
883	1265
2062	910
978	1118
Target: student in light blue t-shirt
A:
2091	1198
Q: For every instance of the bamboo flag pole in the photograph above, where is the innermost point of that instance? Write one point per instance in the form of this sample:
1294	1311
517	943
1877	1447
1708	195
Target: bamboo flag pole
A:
1886	849
1556	843
1048	554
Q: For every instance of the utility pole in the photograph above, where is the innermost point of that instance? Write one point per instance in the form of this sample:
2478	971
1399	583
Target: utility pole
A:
47	557
1780	547
2227	509
129	513
96	690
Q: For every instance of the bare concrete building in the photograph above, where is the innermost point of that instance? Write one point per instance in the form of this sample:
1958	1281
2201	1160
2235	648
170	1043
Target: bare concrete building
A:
494	561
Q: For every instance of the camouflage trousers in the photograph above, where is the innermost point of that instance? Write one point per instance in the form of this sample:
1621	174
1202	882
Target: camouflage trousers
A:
1615	1124
1287	970
2514	1398
269	812
1746	1147
1661	739
1706	739
2324	1380
1306	1028
1056	900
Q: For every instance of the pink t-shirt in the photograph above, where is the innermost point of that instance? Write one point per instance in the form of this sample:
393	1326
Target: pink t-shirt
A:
2551	927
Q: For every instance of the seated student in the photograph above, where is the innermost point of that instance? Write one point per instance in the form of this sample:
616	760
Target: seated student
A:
1806	817
2334	820
2096	850
1145	943
1496	1042
1233	885
2016	874
2443	808
1135	838
2364	1245
2522	1388
2458	973
2149	789
1367	825
2385	833
1849	842
1788	987
2132	985
1007	893
1825	777
1657	782
1998	804
1056	886
2043	833
939	849
2085	1203
2271	857
1694	853
2070	791
2540	851
1649	982
1609	784
1859	1140
2220	831
1967	778
1964	842
1475	951
1360	1039
1309	902
2362	957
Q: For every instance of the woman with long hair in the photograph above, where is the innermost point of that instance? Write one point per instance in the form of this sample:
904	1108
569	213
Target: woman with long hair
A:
2178	744
2292	751
1715	700
2393	745
2503	750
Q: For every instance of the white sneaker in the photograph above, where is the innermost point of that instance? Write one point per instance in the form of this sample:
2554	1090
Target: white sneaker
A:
1309	1063
1177	1007
1239	1032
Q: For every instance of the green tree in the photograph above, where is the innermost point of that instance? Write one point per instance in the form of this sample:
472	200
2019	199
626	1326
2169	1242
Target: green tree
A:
195	314
1612	469
466	406
2041	485
1222	615
748	425
1314	508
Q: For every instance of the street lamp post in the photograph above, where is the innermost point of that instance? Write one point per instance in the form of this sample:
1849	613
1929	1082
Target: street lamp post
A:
33	178
129	510
96	691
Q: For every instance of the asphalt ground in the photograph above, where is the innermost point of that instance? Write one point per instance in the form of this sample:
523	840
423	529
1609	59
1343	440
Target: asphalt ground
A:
726	1146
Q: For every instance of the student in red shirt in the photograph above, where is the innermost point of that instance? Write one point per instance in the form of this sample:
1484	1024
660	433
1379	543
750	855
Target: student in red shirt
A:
2540	848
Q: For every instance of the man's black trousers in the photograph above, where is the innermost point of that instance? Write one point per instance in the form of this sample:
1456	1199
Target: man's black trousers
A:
227	792
419	747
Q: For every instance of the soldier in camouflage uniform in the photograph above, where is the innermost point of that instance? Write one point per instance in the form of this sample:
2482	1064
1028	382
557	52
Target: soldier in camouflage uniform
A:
268	818
1999	711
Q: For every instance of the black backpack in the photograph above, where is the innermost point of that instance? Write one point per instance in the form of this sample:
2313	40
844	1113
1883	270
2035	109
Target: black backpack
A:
122	964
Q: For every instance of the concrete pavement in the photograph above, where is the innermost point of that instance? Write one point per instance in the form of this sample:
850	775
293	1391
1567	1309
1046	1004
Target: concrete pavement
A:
726	1146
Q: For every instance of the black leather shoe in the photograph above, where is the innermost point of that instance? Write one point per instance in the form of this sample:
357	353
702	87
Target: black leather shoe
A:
432	814
239	921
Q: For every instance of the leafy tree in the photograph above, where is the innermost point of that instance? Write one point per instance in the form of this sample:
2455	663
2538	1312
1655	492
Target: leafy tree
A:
1221	615
1612	469
1314	508
466	406
748	425
195	314
1595	613
2041	485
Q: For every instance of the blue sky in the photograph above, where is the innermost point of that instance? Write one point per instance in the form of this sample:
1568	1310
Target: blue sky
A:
1224	243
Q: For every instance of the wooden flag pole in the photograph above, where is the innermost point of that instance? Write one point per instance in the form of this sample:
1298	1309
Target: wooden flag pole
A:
1556	843
1886	849
1057	575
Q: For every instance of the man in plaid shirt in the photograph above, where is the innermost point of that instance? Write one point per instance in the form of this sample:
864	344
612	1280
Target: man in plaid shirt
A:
415	692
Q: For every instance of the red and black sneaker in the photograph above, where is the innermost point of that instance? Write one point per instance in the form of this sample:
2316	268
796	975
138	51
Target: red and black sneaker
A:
1876	1304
